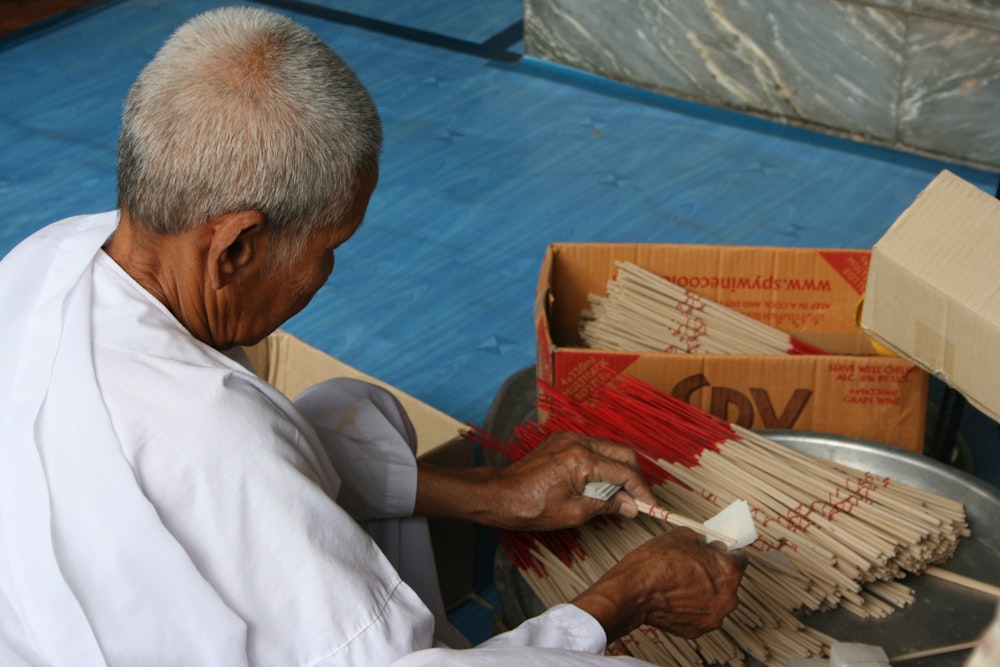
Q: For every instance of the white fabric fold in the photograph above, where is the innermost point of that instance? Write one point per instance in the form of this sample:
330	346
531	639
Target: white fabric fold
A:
58	446
365	430
563	635
373	444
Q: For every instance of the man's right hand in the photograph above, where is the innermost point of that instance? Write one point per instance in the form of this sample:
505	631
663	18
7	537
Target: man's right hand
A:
673	582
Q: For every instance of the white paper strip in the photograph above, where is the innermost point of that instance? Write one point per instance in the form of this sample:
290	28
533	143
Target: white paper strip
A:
736	522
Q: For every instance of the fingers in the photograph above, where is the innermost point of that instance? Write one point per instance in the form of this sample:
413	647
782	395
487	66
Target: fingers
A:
737	557
718	545
543	490
611	450
634	487
617	464
674	582
622	503
741	558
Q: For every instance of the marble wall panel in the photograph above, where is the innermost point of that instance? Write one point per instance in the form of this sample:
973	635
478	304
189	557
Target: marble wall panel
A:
898	5
984	13
834	64
919	75
951	90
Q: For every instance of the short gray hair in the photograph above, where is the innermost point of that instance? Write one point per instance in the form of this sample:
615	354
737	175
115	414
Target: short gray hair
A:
244	109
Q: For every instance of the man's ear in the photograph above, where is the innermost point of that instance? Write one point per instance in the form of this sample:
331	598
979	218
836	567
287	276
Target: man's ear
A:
238	246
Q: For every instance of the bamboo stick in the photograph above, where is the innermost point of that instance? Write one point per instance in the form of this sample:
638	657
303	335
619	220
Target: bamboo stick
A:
962	580
663	514
940	650
643	311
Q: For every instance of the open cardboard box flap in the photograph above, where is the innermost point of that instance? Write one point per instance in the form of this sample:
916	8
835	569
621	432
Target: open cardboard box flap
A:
933	289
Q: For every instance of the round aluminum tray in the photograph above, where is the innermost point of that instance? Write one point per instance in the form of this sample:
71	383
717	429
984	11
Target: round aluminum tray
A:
943	614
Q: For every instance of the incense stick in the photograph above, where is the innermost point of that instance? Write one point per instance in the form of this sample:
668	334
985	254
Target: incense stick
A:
645	312
663	514
962	580
940	650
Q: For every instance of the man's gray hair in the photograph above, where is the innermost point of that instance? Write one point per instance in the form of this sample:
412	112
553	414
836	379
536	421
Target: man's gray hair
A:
244	109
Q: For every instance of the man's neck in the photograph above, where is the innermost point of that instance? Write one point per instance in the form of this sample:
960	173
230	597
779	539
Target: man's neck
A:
167	266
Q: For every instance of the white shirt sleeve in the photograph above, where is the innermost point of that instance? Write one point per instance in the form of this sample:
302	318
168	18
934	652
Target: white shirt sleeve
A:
370	441
562	636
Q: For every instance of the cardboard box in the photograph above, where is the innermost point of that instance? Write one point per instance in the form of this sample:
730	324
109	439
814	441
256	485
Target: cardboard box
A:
933	289
291	366
809	293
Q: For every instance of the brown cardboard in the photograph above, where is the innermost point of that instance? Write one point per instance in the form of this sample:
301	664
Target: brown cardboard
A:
292	365
812	294
933	289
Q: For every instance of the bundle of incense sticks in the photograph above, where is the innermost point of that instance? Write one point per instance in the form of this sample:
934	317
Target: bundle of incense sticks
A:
829	536
644	312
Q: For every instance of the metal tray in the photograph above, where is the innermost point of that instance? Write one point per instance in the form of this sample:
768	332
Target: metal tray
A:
943	614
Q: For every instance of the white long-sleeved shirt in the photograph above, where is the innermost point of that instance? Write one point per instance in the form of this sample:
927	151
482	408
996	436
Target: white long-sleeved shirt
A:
161	504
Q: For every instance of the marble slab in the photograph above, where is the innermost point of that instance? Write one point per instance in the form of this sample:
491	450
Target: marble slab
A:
983	13
951	90
834	65
830	63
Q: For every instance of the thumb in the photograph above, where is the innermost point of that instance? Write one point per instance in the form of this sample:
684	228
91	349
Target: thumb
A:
624	504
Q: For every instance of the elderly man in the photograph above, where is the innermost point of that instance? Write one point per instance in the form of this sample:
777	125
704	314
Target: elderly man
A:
161	504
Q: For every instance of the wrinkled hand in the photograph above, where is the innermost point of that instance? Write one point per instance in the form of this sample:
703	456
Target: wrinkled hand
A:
542	490
673	582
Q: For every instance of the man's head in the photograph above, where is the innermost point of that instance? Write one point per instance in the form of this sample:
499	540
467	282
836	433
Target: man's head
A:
243	109
248	152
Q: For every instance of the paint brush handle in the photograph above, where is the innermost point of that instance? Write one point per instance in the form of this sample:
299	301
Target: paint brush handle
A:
663	514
